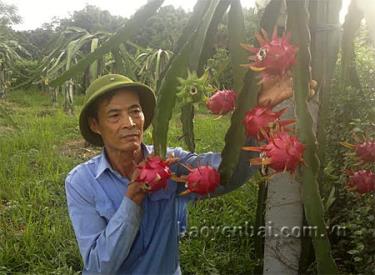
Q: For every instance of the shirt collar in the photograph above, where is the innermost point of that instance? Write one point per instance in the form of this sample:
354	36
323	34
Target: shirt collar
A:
103	163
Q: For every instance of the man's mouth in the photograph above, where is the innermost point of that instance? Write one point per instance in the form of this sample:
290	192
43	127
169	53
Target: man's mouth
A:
131	134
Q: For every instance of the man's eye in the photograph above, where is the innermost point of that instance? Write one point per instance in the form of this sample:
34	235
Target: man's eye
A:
136	112
113	116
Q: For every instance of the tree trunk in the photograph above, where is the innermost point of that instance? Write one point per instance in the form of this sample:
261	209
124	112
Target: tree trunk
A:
68	100
284	215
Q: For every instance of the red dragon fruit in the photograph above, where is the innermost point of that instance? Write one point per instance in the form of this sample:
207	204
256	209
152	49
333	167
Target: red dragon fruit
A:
282	153
201	180
274	58
260	121
361	181
222	102
365	151
153	173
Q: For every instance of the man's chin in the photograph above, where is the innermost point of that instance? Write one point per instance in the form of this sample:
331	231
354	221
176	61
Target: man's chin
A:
131	146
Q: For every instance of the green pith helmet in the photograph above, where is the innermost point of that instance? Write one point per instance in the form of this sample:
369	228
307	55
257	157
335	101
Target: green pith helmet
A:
102	86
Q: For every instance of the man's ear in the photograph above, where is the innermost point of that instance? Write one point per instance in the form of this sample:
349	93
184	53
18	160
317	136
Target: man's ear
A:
94	125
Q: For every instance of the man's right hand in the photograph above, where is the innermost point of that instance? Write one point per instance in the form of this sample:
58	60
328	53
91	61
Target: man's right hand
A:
136	191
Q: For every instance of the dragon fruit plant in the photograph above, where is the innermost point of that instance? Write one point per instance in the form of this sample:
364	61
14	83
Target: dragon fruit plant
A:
283	152
222	102
153	173
362	181
274	58
260	122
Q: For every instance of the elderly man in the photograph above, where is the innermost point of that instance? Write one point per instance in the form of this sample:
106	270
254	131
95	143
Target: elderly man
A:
120	228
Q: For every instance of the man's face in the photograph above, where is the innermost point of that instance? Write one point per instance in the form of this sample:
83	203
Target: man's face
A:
120	122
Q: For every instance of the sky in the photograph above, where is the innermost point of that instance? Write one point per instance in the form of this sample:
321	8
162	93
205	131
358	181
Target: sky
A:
36	12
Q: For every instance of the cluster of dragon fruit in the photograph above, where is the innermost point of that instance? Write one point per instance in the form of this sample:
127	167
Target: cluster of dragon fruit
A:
154	173
362	180
280	150
283	152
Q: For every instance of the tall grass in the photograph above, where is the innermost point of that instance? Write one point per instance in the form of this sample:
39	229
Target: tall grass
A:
38	148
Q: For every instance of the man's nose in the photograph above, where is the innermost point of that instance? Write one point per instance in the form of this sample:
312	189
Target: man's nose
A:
127	121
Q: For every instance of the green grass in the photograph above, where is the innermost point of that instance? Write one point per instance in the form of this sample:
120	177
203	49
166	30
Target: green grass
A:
38	146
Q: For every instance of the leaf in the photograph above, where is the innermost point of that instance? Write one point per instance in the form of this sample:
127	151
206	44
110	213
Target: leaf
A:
198	59
74	46
129	63
178	68
353	251
201	56
119	65
94	66
187	118
331	199
235	136
298	25
236	31
188	32
129	29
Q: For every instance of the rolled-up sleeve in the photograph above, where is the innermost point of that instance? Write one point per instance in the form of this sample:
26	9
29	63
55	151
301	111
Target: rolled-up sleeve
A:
103	245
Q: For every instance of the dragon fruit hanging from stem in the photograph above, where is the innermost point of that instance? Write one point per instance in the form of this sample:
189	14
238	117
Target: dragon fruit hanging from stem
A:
282	153
361	181
365	151
274	58
222	102
260	122
153	173
201	180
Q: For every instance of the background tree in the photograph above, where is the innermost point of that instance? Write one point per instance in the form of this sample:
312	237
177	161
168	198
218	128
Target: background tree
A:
162	30
92	19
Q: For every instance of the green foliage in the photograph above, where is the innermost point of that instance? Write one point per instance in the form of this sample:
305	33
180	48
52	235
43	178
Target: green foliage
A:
162	30
220	69
37	41
352	116
92	19
120	37
34	235
152	62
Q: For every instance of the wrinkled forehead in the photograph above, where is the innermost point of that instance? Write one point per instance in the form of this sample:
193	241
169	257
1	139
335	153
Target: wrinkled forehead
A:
121	97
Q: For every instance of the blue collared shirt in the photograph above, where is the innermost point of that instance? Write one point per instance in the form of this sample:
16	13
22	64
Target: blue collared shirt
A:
117	236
